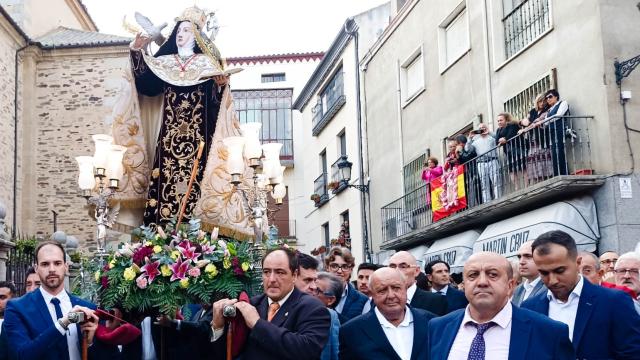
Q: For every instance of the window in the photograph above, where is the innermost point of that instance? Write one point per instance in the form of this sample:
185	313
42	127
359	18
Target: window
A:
326	235
523	21
272	108
320	184
412	173
453	37
269	78
520	105
330	100
345	217
342	143
412	76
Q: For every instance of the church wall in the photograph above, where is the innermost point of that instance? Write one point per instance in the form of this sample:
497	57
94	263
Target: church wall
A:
37	17
72	92
9	43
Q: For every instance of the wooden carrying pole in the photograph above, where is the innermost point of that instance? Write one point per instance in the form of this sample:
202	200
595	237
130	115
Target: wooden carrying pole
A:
85	345
194	172
230	340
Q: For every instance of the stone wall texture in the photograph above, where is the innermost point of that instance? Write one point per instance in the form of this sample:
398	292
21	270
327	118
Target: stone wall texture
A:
70	93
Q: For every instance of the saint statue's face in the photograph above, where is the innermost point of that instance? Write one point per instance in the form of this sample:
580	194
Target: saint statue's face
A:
184	37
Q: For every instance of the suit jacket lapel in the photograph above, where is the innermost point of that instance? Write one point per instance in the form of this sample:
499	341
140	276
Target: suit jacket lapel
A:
283	313
520	335
448	336
373	330
42	307
263	307
419	336
585	308
517	295
537	289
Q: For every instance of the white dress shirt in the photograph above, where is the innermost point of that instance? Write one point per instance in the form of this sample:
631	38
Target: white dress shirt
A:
497	338
442	291
72	331
148	348
401	336
566	311
1	321
528	287
367	306
410	292
343	299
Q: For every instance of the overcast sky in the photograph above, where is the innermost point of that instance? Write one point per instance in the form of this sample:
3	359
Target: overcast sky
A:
247	27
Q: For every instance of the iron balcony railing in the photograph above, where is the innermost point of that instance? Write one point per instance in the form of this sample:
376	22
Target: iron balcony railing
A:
287	147
524	24
558	146
320	189
330	101
336	184
286	228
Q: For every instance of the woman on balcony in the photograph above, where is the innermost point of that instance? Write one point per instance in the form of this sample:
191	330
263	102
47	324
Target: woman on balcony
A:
431	171
514	147
539	165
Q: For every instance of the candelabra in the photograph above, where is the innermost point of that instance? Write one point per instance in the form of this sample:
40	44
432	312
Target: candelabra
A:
99	179
246	150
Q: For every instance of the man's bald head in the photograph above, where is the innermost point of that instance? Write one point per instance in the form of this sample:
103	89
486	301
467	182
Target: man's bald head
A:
389	292
407	264
491	257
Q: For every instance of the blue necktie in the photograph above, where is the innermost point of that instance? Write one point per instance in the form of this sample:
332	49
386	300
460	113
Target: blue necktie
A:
477	350
62	345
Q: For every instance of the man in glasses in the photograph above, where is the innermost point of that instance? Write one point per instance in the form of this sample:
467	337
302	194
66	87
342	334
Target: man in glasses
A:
627	271
340	263
608	261
417	298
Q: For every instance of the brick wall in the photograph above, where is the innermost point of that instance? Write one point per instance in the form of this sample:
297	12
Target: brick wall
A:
71	89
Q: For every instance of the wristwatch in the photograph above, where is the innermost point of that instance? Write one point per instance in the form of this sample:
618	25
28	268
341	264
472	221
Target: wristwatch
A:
62	323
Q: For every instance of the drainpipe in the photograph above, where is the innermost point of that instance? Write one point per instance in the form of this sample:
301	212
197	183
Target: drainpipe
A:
15	139
351	28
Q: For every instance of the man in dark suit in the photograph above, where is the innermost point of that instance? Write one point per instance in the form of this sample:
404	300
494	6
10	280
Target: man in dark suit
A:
603	323
417	298
532	285
491	327
393	330
38	324
438	274
284	323
191	335
340	262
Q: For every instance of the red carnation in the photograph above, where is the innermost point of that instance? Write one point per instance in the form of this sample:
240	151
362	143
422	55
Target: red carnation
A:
104	282
140	254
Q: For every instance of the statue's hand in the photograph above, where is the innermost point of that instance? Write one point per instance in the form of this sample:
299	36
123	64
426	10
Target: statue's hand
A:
140	42
221	80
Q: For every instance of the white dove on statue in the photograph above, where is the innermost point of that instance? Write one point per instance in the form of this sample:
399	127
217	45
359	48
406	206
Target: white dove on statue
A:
154	32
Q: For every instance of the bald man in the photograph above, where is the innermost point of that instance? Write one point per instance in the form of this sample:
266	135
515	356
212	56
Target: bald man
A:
491	327
392	330
531	285
417	298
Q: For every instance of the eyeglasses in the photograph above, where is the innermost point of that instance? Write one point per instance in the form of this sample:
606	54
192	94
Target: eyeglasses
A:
633	272
549	97
343	267
402	266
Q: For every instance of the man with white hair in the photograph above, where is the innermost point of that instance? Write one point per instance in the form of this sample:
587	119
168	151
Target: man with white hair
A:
627	274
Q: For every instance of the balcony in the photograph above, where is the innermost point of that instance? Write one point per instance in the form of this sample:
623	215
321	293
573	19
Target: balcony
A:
286	228
330	102
336	185
539	166
320	189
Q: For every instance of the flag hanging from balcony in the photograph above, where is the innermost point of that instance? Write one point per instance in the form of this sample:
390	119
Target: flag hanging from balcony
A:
447	193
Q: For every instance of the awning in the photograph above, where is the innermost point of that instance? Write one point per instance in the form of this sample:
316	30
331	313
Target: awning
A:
418	253
454	250
577	217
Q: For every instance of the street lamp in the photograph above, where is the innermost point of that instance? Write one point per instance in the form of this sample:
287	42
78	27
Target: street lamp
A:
344	166
99	179
246	149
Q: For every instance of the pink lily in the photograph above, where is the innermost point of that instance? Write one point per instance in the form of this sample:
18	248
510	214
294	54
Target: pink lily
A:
179	270
188	251
151	268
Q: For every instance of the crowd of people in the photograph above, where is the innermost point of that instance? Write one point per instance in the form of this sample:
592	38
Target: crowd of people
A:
518	153
569	305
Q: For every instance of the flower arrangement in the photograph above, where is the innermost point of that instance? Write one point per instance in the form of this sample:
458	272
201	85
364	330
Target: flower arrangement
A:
315	198
333	185
169	268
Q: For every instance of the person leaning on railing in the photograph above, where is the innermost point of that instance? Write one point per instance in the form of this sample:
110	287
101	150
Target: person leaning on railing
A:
539	165
514	148
431	171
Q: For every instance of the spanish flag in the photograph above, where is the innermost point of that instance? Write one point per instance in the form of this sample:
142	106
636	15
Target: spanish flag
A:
447	193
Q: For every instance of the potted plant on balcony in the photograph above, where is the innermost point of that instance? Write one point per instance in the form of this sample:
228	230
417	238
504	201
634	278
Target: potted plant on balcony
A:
315	198
333	186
